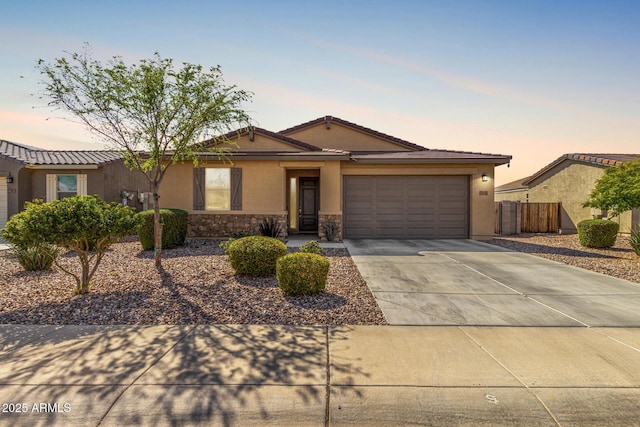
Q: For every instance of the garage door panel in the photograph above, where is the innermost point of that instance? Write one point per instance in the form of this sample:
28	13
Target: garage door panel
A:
406	206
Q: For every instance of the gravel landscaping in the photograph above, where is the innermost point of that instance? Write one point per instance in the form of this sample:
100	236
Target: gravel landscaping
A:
195	286
618	261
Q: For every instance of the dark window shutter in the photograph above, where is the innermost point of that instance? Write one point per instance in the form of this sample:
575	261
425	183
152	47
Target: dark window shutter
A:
236	189
198	189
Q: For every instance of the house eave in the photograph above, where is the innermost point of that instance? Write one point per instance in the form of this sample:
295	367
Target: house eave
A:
304	156
495	162
63	167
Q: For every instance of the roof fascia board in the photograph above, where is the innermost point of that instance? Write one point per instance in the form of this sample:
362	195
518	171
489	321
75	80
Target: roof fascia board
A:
496	162
63	167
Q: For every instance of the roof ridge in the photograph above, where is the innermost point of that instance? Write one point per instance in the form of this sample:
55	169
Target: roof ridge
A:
330	119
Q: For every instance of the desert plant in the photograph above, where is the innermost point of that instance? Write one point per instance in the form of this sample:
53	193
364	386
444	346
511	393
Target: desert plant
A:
311	247
255	255
635	240
36	257
174	228
270	227
597	233
85	225
330	228
302	273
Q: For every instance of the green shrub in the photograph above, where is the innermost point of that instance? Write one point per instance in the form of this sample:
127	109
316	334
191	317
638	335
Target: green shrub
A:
597	233
312	247
255	255
237	235
174	228
635	240
302	273
86	225
37	257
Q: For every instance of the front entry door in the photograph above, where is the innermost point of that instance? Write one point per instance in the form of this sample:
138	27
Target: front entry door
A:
308	209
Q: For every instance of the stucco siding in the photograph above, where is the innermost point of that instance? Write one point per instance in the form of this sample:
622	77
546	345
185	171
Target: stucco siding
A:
4	206
260	143
569	183
263	186
343	138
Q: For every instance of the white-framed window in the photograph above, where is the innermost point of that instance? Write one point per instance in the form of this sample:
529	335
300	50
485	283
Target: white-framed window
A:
60	186
217	189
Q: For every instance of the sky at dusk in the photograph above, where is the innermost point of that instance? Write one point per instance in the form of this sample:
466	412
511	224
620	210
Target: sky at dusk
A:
532	79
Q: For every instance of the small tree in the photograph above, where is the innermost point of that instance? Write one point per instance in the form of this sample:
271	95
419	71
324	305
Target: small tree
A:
618	190
84	224
153	114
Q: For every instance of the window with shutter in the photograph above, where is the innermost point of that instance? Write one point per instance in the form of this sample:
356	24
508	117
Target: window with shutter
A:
217	189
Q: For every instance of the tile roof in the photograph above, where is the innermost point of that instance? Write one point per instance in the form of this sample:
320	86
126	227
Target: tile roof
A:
513	185
265	132
434	156
36	156
594	159
604	160
331	119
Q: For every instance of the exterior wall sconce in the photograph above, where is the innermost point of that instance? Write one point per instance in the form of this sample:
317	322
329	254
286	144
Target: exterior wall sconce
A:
485	178
9	179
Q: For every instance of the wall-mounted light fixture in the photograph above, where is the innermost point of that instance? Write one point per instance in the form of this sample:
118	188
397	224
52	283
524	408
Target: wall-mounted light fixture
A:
9	179
485	178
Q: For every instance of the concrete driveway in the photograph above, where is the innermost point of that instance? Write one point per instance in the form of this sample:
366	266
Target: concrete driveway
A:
465	282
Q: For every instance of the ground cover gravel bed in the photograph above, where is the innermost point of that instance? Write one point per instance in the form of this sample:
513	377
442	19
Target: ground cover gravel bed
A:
196	285
618	261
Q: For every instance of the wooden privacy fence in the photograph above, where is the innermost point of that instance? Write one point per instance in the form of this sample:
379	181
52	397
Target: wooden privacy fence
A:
518	217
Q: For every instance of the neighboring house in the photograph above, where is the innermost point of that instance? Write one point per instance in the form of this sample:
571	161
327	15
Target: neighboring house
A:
569	179
370	184
28	173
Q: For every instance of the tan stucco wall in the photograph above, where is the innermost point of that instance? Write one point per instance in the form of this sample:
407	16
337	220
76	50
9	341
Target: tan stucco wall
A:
264	186
261	143
343	138
569	183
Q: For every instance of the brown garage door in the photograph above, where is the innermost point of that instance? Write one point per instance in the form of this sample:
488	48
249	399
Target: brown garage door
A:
406	207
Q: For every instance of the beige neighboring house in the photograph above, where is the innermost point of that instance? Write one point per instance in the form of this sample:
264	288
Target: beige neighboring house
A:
28	173
569	179
371	185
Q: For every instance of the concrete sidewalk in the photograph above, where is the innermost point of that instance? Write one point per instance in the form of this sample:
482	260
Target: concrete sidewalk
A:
316	375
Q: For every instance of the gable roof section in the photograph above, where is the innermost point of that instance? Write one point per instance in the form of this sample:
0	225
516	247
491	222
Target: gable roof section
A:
32	156
601	160
512	186
277	136
327	120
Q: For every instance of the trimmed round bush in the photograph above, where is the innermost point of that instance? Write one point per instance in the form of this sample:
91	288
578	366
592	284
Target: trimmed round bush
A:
174	228
302	273
597	233
255	255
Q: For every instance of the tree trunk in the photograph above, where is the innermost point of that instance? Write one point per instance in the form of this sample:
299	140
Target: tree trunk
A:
157	228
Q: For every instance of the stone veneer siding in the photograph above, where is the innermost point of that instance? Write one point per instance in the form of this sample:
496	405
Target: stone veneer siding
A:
322	219
226	225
